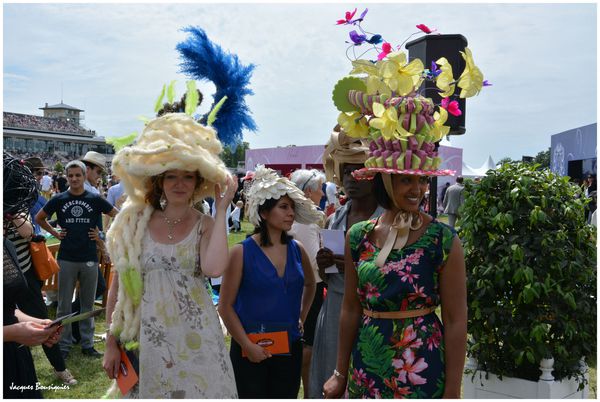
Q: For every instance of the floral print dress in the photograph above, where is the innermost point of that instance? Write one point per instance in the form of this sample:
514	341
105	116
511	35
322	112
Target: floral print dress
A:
182	349
399	358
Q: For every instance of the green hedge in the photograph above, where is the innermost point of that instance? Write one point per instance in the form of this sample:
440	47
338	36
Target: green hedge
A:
531	272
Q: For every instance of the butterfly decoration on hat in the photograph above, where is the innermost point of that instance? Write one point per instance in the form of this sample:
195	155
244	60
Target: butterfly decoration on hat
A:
381	104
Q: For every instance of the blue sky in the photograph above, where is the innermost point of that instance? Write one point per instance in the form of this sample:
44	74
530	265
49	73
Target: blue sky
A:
112	60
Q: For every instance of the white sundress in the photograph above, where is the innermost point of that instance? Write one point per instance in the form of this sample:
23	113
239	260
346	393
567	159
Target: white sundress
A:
182	349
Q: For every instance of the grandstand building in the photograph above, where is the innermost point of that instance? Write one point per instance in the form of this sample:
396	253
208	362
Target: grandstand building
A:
58	133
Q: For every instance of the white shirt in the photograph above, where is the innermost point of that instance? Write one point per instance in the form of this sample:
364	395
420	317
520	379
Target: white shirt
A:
46	183
235	215
308	235
214	212
330	192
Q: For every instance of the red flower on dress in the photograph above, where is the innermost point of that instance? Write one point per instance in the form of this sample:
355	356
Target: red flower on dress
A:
419	292
435	338
371	291
399	392
408	275
408	339
359	376
410	368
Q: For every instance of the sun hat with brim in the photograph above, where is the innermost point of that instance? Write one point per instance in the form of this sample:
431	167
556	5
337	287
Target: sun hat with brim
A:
268	184
172	141
342	149
95	158
34	163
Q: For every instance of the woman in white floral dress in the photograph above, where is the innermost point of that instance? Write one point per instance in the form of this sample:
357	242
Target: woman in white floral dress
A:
162	249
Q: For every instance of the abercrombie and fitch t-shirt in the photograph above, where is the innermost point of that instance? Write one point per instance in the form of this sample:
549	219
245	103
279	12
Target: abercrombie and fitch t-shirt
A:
77	214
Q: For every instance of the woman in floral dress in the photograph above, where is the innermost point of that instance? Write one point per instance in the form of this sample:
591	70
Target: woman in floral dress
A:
158	306
392	344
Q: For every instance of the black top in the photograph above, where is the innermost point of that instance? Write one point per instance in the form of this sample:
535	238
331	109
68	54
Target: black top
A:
78	214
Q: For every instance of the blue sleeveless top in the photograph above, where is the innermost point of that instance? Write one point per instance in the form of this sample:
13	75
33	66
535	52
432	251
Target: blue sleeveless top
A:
265	302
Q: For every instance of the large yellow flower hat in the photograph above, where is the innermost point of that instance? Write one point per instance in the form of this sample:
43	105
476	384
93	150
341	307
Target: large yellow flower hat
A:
380	103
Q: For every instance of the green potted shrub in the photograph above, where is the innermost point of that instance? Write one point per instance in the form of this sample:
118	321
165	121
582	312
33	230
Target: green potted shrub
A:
531	279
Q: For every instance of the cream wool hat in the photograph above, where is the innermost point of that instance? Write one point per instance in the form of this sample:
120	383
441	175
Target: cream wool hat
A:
172	141
268	184
341	149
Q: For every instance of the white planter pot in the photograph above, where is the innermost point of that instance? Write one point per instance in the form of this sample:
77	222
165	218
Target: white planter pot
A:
479	387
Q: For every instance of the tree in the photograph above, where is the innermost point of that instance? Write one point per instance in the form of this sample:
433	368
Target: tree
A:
504	160
58	167
543	159
230	158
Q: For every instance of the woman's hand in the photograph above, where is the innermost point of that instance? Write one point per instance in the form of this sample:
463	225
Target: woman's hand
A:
256	353
334	387
29	333
112	357
222	200
93	234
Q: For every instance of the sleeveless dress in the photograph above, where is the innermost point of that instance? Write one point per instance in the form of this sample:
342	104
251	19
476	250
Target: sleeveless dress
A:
325	346
399	358
182	350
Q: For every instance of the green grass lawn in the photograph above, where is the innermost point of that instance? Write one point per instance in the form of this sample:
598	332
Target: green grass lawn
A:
93	382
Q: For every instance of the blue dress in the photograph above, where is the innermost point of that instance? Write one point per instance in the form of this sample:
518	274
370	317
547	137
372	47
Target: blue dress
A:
266	302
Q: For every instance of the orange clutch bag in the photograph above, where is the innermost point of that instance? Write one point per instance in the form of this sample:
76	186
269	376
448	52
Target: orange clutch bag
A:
275	342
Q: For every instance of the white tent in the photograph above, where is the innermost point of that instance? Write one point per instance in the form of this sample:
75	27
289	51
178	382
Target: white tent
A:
469	172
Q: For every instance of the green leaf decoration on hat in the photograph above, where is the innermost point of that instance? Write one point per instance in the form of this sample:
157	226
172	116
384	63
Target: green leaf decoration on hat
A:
212	116
119	143
171	92
158	104
340	93
191	98
132	281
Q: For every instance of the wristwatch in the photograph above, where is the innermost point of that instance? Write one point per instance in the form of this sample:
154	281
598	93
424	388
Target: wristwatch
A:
101	235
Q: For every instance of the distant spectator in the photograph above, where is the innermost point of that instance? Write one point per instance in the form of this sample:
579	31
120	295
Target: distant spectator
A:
46	185
37	167
453	200
443	194
235	217
61	183
96	165
59	125
332	199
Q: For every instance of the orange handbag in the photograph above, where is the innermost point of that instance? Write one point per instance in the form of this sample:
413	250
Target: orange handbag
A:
43	261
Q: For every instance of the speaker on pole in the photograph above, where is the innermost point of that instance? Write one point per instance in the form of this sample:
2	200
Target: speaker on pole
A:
430	48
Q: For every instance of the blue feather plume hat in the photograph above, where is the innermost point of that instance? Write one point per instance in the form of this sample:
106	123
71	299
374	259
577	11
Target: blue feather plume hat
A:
204	60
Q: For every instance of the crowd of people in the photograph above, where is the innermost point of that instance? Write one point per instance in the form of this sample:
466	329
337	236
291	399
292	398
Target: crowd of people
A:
56	125
338	293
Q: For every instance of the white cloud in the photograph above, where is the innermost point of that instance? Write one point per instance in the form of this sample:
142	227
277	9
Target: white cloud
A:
112	59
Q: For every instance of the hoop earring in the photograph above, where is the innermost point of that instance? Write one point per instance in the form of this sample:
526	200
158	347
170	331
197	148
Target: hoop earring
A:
163	201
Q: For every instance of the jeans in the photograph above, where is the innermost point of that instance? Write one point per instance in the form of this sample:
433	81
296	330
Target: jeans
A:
87	275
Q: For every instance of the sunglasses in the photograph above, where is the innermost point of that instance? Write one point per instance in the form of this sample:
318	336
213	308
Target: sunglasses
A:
39	173
308	181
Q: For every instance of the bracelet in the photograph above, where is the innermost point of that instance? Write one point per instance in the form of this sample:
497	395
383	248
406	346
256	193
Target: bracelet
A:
338	374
